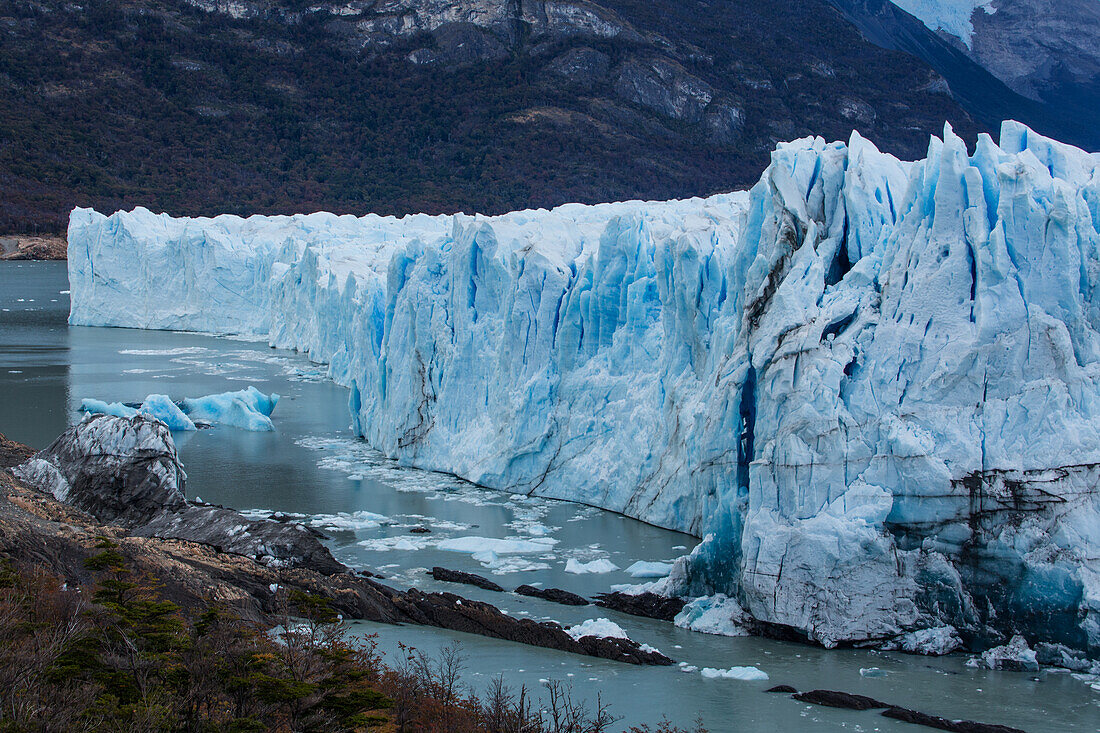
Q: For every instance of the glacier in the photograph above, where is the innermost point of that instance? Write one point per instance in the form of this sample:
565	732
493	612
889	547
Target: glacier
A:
871	386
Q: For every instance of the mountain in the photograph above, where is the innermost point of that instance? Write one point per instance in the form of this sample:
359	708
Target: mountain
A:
1034	60
205	106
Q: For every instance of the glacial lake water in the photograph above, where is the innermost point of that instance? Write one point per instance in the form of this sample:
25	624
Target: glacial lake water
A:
313	465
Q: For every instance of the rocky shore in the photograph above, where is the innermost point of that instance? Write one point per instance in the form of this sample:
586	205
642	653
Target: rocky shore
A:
33	248
120	480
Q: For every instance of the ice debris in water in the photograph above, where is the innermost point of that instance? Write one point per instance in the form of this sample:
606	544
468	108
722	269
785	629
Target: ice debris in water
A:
716	614
248	409
497	555
600	566
936	641
734	673
156	406
644	569
872	672
1016	656
597	627
348	521
490	560
888	373
473	545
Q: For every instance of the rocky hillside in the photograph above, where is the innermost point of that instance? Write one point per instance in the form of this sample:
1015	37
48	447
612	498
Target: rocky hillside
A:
204	106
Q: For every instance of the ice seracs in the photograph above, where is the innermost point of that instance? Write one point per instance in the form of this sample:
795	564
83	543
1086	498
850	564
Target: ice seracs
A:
872	386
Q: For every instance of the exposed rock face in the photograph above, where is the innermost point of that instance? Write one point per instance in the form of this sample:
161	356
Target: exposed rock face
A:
457	576
664	87
32	248
125	471
13	453
460	614
555	595
1033	60
649	605
582	66
121	470
836	699
848	701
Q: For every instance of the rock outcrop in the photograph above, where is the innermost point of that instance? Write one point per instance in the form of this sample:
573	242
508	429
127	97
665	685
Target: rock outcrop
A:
118	480
125	471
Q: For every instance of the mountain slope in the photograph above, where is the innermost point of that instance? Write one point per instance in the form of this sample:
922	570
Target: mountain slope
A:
1041	57
203	106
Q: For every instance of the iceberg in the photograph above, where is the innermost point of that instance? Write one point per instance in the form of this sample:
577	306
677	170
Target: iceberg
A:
646	569
600	627
157	406
247	409
734	673
872	386
593	567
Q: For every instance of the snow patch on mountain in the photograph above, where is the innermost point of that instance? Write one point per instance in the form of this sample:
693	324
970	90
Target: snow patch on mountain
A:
950	16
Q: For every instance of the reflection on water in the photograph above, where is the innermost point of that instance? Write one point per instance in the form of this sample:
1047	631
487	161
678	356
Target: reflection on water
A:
312	465
34	351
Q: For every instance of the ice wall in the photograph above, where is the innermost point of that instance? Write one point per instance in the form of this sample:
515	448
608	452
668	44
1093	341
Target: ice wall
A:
871	385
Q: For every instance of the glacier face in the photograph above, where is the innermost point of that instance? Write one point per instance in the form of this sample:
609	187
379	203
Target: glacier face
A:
873	386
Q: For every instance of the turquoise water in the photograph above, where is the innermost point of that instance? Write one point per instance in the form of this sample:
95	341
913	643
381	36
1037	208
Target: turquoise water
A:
313	465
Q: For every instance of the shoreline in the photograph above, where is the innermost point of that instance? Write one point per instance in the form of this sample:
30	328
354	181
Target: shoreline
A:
44	248
182	548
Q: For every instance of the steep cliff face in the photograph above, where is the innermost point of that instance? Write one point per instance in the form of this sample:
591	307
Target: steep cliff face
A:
1030	45
870	385
1036	60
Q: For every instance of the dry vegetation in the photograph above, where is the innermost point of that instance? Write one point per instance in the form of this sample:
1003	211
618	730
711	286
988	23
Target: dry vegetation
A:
120	657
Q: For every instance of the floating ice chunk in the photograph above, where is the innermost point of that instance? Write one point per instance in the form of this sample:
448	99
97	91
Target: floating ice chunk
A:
597	627
248	409
155	405
592	567
1015	656
872	672
508	564
473	545
734	673
717	614
345	521
99	407
386	544
643	569
633	589
164	409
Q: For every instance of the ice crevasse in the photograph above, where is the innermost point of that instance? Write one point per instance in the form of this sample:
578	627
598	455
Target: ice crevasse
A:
871	386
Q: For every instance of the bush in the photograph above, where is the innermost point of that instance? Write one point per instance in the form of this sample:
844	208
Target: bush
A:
125	658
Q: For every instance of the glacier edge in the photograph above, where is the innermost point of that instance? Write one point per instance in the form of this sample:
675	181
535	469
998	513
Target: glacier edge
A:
871	385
